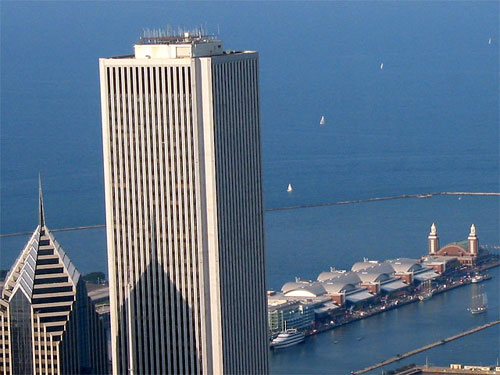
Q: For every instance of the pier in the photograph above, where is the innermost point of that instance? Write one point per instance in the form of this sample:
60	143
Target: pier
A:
404	196
398	357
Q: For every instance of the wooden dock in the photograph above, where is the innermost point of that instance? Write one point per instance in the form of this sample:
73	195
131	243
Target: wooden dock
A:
426	347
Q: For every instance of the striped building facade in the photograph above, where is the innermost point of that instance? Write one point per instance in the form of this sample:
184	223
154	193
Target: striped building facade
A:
48	325
184	214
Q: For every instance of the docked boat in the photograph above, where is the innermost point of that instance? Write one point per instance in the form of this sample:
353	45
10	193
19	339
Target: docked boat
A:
425	296
287	338
477	279
479	302
427	291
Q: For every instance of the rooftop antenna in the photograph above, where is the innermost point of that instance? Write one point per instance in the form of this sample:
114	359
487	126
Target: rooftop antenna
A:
41	215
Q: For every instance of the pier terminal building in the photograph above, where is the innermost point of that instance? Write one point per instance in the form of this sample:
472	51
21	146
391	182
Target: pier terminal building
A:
301	303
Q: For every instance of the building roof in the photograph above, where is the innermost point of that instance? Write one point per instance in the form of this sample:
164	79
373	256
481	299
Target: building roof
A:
337	287
393	286
344	283
460	248
373	277
365	264
333	274
429	274
404	265
28	265
303	289
359	296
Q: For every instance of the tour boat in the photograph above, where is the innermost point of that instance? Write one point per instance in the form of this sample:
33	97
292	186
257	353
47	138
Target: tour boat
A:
287	338
477	279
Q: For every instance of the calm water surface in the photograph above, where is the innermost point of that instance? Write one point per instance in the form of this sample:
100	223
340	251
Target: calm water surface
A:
427	122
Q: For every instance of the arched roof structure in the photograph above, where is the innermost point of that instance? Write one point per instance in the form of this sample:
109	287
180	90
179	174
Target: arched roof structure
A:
303	289
373	277
323	276
455	249
403	265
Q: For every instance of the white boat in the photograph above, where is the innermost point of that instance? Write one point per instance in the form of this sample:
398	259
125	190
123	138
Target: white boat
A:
287	338
479	302
381	66
489	41
477	279
322	121
289	188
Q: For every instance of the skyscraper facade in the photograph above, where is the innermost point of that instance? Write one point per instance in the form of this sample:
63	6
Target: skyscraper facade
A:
48	325
184	211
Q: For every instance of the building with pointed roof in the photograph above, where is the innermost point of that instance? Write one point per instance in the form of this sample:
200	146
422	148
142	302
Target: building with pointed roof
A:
48	325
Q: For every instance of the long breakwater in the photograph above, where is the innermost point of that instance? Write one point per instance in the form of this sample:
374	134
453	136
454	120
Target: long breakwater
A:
426	347
313	205
404	196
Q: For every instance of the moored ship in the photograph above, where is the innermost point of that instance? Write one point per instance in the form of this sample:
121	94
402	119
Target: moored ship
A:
287	338
477	279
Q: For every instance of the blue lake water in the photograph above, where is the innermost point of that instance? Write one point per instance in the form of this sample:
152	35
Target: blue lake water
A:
428	121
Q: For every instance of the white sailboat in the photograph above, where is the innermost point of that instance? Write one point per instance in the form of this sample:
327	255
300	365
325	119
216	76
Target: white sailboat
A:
289	188
381	66
479	301
489	41
322	121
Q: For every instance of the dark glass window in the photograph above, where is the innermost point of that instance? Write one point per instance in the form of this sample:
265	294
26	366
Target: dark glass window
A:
48	261
47	319
53	309
55	328
58	289
20	325
47	271
52	299
51	280
46	252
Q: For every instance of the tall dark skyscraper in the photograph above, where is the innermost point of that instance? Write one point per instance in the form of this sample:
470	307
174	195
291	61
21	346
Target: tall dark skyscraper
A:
184	211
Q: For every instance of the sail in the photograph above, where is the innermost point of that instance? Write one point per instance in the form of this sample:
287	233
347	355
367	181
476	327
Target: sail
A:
479	300
322	121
